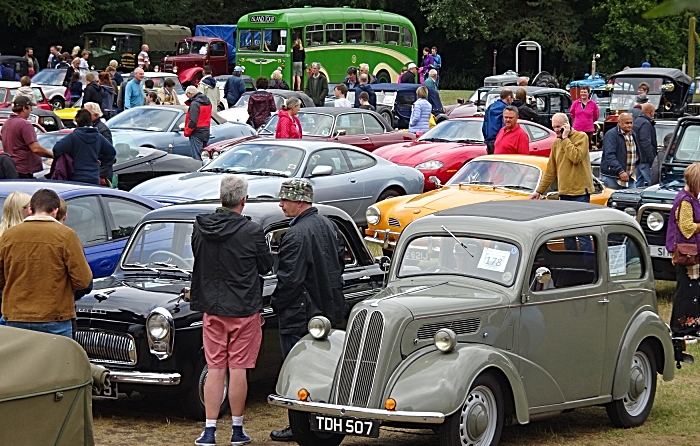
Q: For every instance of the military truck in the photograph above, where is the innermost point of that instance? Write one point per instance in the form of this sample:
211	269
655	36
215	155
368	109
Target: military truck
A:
123	44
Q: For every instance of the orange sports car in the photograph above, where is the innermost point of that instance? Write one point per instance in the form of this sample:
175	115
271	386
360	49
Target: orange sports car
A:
486	178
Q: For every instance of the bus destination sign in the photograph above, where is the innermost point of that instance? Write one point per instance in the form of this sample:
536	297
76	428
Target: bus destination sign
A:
263	19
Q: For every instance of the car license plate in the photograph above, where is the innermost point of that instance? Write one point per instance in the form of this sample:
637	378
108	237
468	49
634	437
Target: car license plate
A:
109	391
417	254
659	251
344	426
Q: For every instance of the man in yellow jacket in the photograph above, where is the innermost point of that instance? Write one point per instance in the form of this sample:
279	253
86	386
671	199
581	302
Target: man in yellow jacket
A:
41	264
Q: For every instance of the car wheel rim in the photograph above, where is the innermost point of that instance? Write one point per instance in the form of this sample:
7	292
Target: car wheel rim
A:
478	418
203	379
640	385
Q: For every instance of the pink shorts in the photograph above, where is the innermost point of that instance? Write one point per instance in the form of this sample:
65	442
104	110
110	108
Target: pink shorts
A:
231	342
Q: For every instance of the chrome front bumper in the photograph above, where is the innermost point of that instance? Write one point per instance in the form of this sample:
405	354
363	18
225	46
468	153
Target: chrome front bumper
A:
161	379
358	412
381	237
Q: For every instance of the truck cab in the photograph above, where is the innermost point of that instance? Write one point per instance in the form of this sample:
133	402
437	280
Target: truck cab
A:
192	54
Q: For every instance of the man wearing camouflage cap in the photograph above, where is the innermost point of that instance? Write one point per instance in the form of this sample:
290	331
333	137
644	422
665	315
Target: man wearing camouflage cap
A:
310	273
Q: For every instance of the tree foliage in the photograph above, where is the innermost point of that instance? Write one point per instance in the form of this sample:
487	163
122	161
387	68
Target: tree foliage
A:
61	14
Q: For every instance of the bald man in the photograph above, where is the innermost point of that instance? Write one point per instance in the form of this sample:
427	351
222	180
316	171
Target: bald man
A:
522	82
620	155
643	129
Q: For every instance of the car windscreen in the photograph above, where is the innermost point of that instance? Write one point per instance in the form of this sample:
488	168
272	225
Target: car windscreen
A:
48	140
49	77
144	118
455	130
688	144
499	174
158	83
161	243
126	148
492	260
258	159
312	124
624	92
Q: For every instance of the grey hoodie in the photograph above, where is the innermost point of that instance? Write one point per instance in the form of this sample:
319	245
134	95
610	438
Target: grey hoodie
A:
28	92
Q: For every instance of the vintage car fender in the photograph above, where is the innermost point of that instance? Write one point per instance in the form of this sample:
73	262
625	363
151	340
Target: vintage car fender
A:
188	74
644	325
452	374
311	365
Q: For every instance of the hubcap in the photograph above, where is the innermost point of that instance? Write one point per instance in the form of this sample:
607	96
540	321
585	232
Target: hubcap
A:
640	385
478	418
203	379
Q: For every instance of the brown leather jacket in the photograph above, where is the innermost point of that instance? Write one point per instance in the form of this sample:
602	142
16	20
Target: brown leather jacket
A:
41	263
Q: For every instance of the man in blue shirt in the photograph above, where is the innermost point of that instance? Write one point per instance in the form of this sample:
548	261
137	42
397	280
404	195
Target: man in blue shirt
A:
234	87
364	86
493	119
438	64
133	95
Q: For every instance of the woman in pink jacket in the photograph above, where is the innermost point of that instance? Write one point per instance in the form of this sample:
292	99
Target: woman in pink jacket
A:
288	126
584	113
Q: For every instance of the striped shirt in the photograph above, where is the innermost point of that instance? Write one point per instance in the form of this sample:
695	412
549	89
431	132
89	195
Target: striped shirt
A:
143	59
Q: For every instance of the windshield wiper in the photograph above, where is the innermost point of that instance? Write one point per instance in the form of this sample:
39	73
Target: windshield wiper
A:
213	169
458	241
138	265
173	267
512	186
435	139
412	290
470	141
476	182
269	173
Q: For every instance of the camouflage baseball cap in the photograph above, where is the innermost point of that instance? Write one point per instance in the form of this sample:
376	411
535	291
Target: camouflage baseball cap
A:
297	190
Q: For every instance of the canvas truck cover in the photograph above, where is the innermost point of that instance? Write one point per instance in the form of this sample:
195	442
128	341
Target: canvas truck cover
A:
45	390
157	37
226	33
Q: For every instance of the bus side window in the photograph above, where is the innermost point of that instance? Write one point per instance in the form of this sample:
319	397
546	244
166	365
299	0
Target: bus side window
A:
334	33
391	34
353	33
314	35
406	37
373	33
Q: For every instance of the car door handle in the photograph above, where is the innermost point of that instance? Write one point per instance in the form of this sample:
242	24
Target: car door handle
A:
366	138
106	264
604	301
353	180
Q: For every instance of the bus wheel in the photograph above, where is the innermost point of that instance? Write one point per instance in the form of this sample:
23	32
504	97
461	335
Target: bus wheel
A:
383	77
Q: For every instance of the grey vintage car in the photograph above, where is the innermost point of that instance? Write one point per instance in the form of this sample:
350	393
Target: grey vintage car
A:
494	313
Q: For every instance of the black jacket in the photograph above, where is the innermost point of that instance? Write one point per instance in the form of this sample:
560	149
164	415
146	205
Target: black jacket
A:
644	130
370	91
92	93
310	274
614	158
8	170
525	111
230	254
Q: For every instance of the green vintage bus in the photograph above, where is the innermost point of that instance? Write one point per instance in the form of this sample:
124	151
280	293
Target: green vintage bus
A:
335	37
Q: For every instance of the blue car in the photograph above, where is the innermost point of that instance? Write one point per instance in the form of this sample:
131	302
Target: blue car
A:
162	127
103	218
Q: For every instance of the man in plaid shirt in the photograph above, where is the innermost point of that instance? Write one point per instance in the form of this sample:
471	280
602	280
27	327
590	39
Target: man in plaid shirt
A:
620	155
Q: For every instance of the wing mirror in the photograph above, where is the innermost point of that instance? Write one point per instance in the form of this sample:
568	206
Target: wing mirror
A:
184	295
460	101
668	87
321	171
543	274
341	132
419	134
436	180
181	127
384	263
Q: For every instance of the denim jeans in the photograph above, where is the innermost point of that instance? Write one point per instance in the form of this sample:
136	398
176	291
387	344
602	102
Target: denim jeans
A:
581	243
611	182
288	341
643	174
62	328
196	145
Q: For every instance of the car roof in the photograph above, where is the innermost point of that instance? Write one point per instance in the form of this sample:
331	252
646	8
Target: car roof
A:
10	84
335	110
66	188
529	89
304	144
674	73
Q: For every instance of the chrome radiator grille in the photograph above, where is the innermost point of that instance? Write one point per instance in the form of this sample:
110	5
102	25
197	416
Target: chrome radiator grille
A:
359	361
107	347
464	326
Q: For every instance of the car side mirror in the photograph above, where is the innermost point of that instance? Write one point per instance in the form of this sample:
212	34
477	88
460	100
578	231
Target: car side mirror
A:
181	126
321	171
460	101
436	180
184	295
384	262
543	274
419	134
341	132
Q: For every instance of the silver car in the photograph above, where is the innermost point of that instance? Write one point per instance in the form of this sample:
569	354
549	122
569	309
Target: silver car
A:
342	175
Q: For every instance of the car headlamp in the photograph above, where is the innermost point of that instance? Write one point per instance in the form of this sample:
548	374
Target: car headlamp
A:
430	165
157	326
373	214
445	340
204	154
655	221
175	69
215	154
319	327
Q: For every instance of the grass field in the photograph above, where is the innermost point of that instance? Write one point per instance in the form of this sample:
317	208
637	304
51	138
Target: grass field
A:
450	96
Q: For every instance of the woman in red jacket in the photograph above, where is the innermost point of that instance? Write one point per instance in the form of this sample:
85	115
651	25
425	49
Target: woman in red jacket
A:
288	126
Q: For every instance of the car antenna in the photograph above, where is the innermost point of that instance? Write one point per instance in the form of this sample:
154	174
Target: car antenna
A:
457	240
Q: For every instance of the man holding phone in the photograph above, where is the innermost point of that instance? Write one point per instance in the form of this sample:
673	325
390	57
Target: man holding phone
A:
569	162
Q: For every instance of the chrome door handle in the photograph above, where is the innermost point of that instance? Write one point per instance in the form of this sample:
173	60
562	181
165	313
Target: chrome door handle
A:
603	300
353	180
365	138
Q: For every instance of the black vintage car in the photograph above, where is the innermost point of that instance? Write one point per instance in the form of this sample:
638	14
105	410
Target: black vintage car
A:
549	101
47	119
651	206
136	324
12	68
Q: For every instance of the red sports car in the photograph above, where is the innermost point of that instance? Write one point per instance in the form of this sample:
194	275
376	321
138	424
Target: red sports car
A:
9	88
360	128
445	148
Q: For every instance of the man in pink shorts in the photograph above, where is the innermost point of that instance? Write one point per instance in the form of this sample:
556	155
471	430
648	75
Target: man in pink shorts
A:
230	254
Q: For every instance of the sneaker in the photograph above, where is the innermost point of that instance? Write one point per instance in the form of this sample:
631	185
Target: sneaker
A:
238	436
282	435
208	437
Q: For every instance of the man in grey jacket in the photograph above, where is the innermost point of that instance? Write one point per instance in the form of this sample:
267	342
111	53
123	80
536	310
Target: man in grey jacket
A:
643	129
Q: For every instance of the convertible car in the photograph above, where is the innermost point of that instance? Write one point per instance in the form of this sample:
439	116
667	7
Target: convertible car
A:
360	128
444	149
342	175
239	112
161	127
487	178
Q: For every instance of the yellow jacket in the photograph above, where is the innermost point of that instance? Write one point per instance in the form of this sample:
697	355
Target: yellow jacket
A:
570	163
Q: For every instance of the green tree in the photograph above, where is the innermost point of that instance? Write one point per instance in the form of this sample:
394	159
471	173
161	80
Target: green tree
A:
60	13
